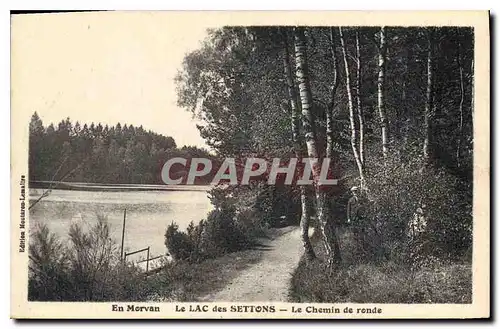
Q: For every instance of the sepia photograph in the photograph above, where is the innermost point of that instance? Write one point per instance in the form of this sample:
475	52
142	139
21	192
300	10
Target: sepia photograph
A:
266	165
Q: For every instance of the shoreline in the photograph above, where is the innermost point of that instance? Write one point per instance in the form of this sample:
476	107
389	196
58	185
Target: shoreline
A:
94	187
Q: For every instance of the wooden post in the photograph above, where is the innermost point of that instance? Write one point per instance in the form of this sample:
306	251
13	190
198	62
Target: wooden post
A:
147	262
123	233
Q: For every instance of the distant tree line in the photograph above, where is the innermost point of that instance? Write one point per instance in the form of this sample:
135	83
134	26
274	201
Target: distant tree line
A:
121	154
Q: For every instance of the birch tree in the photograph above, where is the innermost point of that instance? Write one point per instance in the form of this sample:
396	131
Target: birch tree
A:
302	73
335	83
461	105
358	103
305	198
380	92
351	109
428	102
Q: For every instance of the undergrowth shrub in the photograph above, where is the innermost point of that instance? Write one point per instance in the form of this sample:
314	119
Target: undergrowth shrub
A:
48	271
223	234
87	268
358	280
416	212
270	206
387	283
179	244
219	234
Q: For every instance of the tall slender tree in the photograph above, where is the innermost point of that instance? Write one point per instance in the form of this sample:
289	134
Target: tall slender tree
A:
305	197
461	105
361	119
350	104
308	119
428	99
381	91
334	87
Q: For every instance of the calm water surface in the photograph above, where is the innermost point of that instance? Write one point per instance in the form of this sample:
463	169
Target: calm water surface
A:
148	213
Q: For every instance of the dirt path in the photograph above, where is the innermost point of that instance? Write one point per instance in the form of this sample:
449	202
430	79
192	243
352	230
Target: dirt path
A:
268	280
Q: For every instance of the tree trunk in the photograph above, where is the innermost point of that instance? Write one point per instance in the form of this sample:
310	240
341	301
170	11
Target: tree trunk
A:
381	99
472	75
328	211
329	112
358	102
421	214
351	110
328	233
461	106
305	197
404	121
305	96
428	103
305	220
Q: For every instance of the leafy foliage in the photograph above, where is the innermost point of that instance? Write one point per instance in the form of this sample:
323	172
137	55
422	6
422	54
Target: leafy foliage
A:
219	234
235	83
416	210
179	244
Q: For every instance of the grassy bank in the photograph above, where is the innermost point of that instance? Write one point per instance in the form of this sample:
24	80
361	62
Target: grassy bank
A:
381	282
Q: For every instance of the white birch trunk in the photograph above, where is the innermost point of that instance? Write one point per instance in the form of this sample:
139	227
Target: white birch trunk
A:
329	238
351	109
359	105
428	103
305	197
461	105
381	99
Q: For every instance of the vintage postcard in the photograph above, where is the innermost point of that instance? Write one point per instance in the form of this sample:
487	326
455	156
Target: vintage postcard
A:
289	165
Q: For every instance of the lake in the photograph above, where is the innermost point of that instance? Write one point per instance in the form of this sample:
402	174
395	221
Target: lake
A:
148	213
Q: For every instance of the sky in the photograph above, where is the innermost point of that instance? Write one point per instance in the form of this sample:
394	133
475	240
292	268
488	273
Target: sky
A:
104	67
